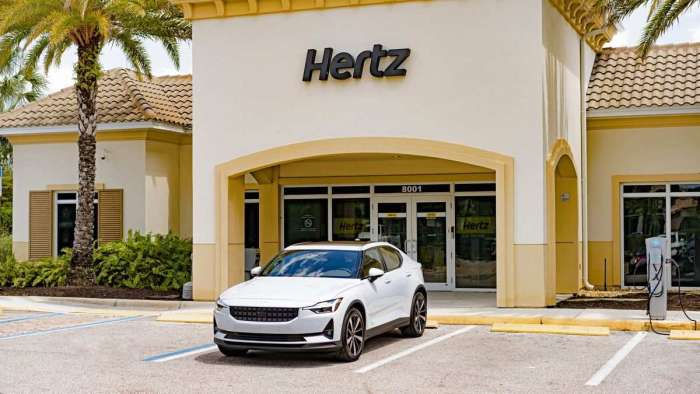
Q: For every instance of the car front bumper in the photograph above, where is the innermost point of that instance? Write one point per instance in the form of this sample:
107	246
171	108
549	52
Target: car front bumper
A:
307	332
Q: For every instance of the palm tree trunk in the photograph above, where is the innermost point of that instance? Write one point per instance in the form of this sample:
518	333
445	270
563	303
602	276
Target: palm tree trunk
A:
87	70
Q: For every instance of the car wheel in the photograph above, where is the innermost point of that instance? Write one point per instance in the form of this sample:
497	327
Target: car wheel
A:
232	352
352	338
419	317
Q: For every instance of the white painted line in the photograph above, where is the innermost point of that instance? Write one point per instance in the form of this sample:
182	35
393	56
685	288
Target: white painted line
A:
30	317
69	328
413	350
605	370
160	358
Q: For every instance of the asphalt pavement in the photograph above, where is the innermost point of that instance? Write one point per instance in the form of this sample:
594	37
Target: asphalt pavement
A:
91	353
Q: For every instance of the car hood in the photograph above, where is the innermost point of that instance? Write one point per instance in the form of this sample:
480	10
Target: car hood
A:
286	291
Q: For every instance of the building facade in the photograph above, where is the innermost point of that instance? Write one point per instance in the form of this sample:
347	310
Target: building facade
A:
456	130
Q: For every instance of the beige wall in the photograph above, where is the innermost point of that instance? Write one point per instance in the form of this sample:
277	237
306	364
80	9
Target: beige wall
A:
36	166
156	178
250	96
186	191
162	187
652	152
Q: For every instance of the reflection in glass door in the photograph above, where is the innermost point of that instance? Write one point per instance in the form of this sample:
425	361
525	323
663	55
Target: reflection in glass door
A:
392	221
431	240
475	242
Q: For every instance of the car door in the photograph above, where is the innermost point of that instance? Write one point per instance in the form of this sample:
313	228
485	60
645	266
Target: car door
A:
397	282
378	292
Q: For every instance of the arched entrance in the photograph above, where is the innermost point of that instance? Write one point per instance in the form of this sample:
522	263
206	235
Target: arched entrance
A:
564	245
230	184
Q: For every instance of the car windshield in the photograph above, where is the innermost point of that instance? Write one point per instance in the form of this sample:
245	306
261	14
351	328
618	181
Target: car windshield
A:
315	264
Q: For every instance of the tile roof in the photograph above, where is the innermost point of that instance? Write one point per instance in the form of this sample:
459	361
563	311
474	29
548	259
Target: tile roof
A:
668	78
121	97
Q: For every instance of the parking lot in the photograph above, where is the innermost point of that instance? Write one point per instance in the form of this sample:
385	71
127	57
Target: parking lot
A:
87	353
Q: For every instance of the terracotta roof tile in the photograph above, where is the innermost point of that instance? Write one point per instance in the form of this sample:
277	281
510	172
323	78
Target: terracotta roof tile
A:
670	77
121	97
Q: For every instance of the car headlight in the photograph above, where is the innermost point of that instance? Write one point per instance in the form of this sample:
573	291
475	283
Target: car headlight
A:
220	305
325	306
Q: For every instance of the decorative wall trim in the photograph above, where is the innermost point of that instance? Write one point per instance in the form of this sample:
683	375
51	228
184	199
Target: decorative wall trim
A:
206	9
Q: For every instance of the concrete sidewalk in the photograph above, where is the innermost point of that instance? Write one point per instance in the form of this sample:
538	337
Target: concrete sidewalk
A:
440	310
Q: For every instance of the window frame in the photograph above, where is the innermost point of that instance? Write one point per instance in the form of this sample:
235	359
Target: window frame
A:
56	202
667	195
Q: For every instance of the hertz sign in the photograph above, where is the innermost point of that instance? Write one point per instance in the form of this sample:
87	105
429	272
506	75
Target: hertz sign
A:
344	65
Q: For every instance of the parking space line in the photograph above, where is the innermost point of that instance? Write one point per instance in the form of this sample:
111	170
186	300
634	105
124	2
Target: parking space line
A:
159	358
31	317
414	349
70	328
605	370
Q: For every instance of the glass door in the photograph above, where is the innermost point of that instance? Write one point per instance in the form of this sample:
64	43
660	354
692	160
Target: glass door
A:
392	222
430	245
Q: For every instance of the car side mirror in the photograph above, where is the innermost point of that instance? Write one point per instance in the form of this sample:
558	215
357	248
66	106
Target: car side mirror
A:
374	274
255	271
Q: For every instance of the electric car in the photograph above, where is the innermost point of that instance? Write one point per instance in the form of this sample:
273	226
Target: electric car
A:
323	297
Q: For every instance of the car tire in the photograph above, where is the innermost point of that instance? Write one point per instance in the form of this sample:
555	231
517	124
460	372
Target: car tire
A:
352	336
419	316
232	352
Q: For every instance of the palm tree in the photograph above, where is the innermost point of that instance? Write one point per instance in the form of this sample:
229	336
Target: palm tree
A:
45	29
662	15
18	86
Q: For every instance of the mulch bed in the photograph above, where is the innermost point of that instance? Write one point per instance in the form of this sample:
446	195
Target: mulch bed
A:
91	292
631	301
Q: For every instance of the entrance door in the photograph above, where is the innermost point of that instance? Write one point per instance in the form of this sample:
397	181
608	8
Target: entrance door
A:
419	227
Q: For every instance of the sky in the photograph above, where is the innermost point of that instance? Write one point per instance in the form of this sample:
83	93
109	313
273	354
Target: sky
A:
686	30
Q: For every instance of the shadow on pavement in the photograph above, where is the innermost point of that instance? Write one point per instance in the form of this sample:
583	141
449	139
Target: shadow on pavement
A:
296	360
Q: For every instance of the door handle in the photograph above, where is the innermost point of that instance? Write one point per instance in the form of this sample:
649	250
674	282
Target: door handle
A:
409	275
387	282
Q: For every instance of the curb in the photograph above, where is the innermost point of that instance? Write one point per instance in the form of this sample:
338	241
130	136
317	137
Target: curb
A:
685	335
156	305
550	329
612	324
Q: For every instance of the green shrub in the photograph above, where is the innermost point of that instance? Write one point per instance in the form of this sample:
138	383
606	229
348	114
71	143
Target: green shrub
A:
48	272
8	265
154	261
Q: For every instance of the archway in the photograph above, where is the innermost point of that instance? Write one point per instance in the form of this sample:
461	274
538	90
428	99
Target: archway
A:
563	206
566	227
230	191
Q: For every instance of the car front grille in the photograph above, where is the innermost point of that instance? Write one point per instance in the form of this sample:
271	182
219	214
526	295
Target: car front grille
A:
263	314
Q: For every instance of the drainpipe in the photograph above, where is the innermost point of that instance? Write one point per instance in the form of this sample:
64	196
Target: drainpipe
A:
584	157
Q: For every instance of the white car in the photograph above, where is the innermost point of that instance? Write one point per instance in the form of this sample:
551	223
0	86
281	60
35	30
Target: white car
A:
329	296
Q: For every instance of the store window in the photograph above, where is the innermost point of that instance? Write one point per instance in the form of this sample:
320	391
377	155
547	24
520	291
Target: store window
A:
666	210
305	220
66	211
475	242
351	220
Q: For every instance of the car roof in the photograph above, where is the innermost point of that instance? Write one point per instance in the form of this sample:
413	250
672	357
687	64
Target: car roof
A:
337	245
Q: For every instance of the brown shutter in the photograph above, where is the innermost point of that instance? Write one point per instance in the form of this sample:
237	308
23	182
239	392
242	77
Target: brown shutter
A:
110	208
40	224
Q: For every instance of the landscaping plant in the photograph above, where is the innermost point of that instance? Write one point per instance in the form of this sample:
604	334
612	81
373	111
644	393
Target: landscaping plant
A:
153	261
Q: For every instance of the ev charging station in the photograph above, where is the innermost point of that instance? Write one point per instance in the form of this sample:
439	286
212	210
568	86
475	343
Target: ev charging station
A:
658	276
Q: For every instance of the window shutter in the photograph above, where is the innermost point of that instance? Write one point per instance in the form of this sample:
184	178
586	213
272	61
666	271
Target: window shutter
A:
110	224
40	224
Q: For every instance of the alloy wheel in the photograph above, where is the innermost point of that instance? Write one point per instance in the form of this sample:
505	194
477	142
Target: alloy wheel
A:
354	334
420	313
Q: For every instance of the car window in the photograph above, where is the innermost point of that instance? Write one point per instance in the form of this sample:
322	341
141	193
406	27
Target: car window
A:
371	259
315	264
392	258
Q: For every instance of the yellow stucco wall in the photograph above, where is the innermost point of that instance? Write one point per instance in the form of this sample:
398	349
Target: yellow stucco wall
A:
646	154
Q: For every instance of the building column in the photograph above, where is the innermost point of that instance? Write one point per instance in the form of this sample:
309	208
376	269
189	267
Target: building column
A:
235	272
269	229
